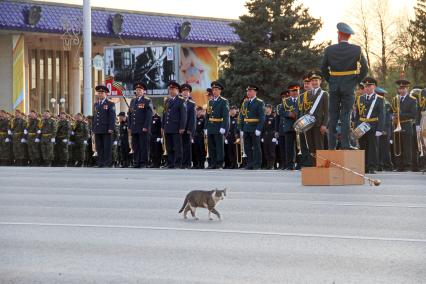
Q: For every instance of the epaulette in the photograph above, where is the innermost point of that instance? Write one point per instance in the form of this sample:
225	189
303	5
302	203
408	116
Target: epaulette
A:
259	99
379	96
180	97
223	98
191	101
414	98
147	98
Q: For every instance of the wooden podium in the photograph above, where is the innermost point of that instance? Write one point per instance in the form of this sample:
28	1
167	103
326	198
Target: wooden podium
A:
325	173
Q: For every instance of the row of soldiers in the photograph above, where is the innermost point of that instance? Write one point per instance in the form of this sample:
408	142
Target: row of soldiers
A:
43	139
253	136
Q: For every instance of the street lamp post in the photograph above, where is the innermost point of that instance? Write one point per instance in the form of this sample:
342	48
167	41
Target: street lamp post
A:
87	58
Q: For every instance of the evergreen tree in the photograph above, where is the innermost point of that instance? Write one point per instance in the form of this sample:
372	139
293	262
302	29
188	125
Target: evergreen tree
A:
276	46
416	44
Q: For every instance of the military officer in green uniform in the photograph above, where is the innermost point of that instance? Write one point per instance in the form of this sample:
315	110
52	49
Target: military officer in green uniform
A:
4	139
19	132
405	111
47	140
81	135
343	67
370	109
34	125
217	126
251	122
62	137
315	102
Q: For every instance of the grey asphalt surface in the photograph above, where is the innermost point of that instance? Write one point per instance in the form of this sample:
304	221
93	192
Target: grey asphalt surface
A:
68	225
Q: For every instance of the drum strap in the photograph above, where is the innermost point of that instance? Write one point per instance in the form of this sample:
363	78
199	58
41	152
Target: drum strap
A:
314	107
370	111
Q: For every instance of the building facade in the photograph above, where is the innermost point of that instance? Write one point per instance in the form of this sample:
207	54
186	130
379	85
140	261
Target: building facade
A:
41	56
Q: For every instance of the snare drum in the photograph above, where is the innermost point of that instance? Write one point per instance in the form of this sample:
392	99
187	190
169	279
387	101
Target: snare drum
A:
361	129
304	123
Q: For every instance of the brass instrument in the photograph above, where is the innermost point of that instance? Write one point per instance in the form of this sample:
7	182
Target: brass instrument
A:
420	143
298	145
95	153
206	146
163	145
397	150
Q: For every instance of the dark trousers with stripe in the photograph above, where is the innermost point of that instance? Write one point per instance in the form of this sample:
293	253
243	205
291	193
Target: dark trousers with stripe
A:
140	142
104	149
174	150
253	150
216	149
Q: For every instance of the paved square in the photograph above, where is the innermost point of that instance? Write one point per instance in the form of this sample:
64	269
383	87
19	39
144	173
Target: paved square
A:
69	225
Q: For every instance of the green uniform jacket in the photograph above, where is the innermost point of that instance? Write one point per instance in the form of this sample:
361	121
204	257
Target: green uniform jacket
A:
64	129
252	115
217	115
48	129
81	132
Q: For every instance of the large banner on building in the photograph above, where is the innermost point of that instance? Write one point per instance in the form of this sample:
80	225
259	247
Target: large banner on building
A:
198	67
18	87
153	65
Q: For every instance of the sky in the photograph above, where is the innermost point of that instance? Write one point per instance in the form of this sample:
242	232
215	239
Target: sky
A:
330	11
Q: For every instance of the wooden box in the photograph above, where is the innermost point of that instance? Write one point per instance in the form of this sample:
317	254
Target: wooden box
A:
322	176
352	159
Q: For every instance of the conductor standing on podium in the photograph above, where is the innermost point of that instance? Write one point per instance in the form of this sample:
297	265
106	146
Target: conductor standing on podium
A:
343	66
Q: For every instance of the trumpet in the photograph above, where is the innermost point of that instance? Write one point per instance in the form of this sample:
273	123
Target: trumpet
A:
397	131
95	153
163	145
419	143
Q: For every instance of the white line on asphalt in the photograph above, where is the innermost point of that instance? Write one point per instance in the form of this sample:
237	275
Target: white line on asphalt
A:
301	235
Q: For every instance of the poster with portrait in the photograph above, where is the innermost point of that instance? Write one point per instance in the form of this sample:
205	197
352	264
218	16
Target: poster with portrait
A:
154	65
198	67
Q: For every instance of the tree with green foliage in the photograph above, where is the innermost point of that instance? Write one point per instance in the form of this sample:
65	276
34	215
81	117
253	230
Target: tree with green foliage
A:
414	43
276	46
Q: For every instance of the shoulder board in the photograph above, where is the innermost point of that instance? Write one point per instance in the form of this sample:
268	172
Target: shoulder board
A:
223	98
379	96
191	101
147	98
414	98
180	97
259	99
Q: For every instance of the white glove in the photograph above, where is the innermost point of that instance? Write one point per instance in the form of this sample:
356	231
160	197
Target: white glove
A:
226	141
52	140
85	142
72	132
9	132
115	143
70	143
7	140
65	140
378	133
390	141
37	140
241	134
161	140
205	131
25	132
192	141
222	131
274	140
417	128
257	132
39	131
158	140
261	140
23	140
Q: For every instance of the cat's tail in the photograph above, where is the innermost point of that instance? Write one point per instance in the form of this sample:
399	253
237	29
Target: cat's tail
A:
184	204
